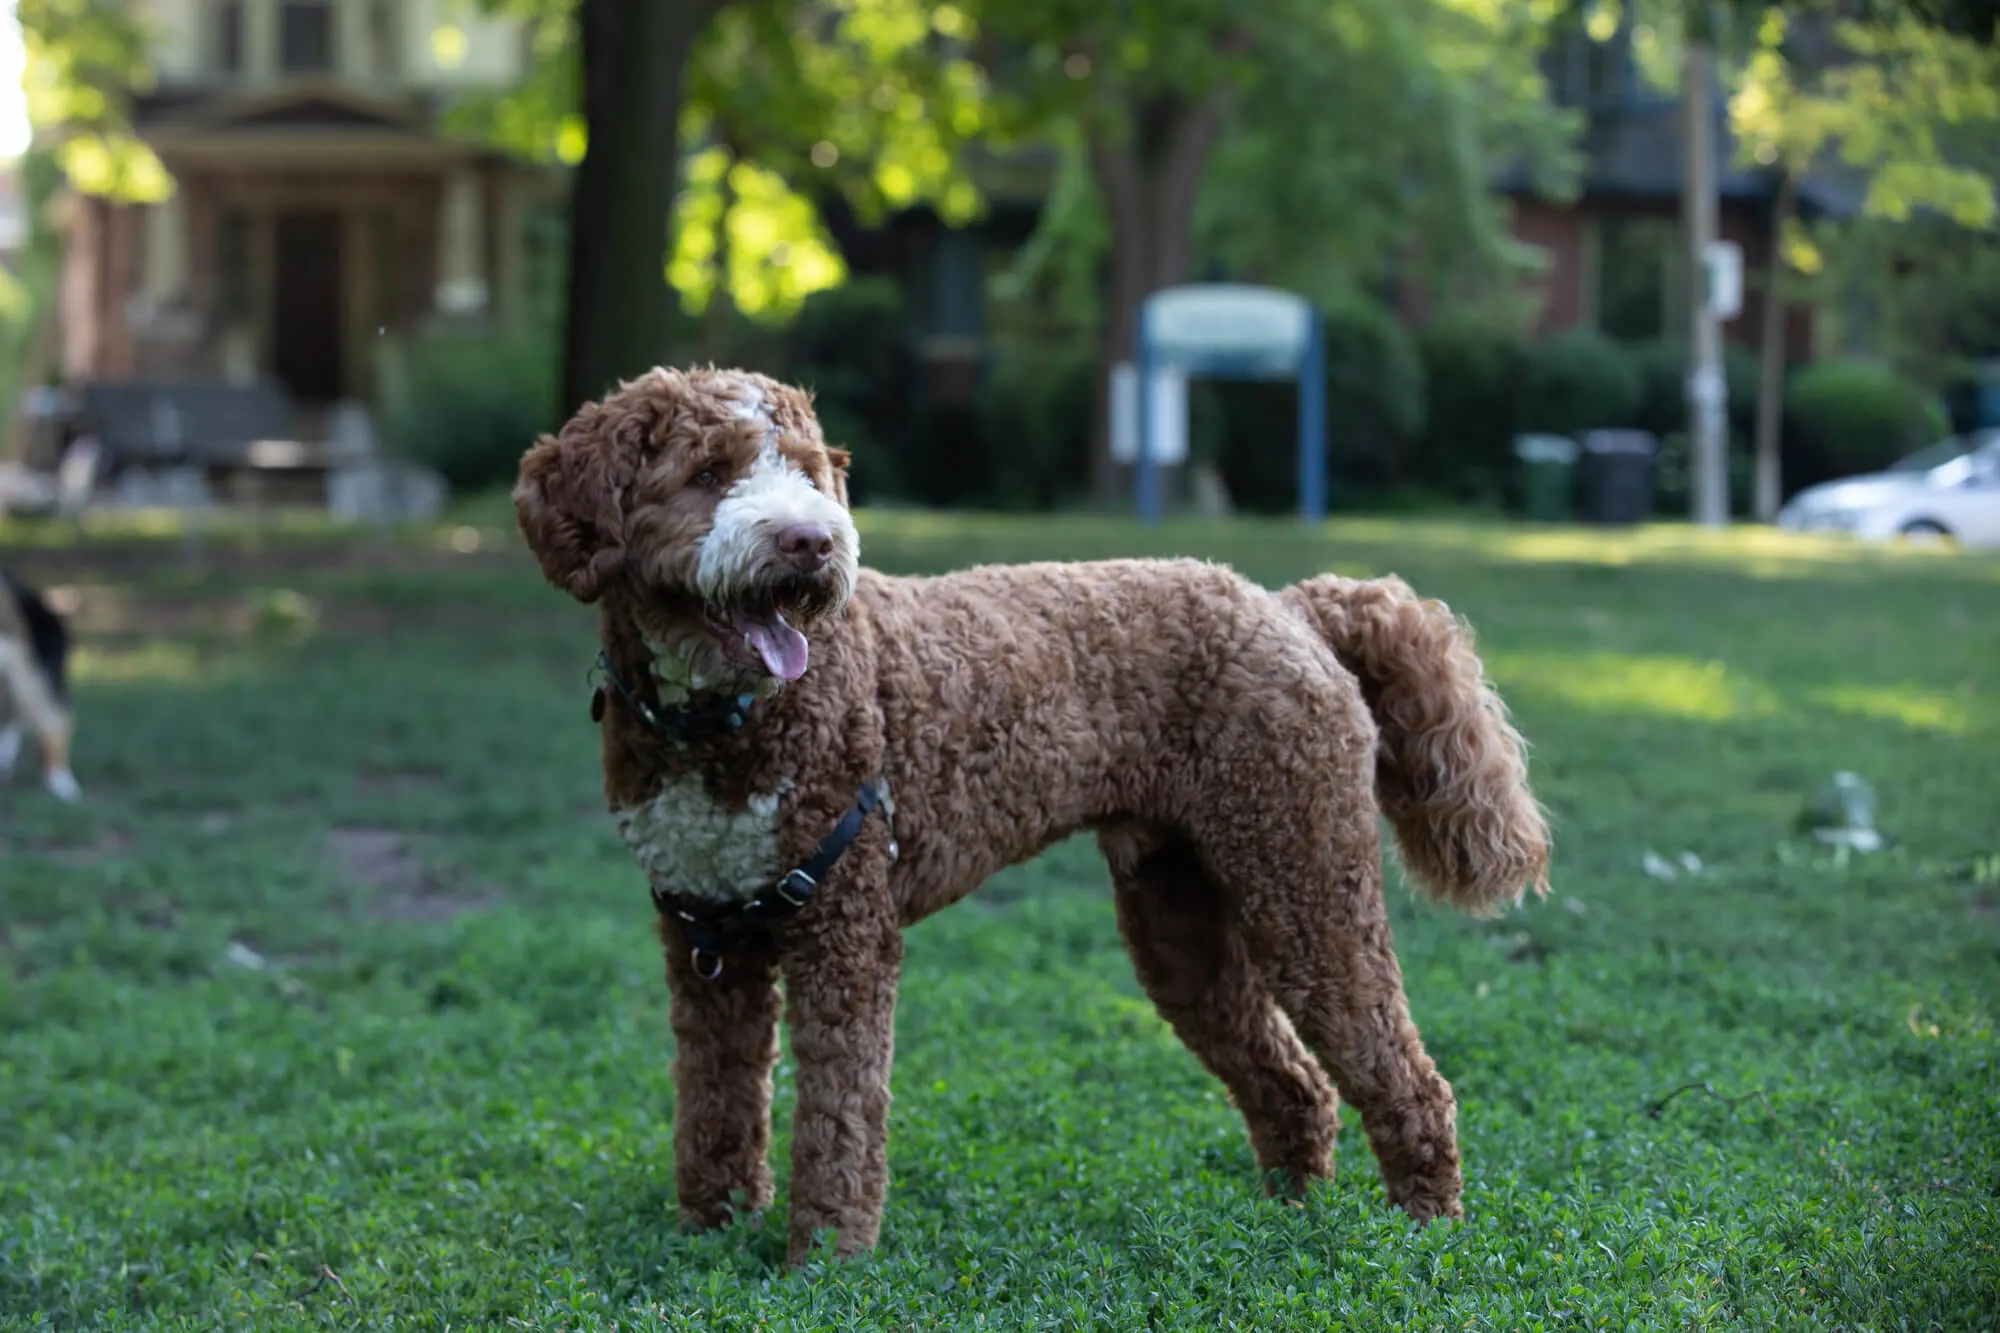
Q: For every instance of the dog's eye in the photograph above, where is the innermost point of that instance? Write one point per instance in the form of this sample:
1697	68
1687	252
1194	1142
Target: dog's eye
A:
707	477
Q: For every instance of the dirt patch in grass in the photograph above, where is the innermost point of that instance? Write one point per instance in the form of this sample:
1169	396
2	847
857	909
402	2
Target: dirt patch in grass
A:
76	855
271	556
401	887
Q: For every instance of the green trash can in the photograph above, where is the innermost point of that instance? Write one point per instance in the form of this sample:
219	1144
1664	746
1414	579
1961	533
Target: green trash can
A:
1545	467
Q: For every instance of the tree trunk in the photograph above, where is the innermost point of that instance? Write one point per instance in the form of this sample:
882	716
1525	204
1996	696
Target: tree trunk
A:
715	318
1150	182
635	54
1769	489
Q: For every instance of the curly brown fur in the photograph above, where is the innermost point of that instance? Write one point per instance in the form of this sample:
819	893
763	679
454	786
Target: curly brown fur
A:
1226	743
1451	772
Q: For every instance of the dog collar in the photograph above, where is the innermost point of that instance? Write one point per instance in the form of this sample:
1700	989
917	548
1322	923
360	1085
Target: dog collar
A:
680	723
712	932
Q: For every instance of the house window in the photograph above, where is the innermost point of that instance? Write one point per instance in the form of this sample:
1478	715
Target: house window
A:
1639	268
228	36
305	37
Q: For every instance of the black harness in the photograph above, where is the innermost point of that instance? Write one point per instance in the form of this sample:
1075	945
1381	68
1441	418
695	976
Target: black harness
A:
713	929
680	723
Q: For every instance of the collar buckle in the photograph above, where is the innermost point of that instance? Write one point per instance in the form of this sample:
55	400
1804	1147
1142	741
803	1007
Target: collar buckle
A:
796	888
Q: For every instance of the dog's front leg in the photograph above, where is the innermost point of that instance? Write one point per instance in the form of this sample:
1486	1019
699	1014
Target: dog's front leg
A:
726	1044
840	978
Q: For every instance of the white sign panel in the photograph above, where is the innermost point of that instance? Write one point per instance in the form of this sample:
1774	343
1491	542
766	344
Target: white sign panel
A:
1170	415
1725	279
1227	320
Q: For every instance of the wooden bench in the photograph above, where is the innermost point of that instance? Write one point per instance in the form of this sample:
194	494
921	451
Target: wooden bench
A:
241	438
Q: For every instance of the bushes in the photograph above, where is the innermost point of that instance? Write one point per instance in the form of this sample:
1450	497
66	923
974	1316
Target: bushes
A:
1844	417
1021	443
470	405
847	347
1662	366
1035	413
1471	369
1376	402
1576	381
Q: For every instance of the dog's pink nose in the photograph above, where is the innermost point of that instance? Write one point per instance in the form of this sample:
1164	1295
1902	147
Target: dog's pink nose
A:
805	546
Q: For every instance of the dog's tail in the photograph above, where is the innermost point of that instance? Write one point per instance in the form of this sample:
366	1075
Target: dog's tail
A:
1451	771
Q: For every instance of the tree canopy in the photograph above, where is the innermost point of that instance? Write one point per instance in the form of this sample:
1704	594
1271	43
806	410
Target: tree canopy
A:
1322	147
785	102
85	59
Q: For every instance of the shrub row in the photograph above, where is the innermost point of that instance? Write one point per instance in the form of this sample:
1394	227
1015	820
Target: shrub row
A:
1432	411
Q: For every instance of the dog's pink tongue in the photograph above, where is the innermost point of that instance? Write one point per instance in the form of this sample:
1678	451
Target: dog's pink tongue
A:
782	647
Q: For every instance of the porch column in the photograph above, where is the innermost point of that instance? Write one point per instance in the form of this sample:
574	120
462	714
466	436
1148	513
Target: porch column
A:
461	258
167	251
82	278
121	248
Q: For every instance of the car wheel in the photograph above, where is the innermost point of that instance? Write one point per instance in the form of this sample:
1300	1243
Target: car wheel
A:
1926	532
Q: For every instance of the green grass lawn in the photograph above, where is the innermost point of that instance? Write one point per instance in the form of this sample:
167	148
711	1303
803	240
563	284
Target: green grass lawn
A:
338	1004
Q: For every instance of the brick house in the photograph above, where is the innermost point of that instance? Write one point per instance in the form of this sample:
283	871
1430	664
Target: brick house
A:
1615	260
318	212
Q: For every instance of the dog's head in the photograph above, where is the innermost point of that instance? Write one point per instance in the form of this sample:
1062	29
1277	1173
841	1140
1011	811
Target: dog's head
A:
707	502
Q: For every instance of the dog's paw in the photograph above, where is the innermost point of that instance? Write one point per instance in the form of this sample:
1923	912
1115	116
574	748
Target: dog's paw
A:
62	785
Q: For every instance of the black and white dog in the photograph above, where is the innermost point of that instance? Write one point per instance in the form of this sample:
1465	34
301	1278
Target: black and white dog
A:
34	692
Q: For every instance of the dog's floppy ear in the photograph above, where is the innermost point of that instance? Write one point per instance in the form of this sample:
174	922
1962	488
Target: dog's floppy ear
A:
571	499
840	458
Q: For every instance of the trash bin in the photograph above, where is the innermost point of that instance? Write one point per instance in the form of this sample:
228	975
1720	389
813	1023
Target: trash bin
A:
1615	477
1547	475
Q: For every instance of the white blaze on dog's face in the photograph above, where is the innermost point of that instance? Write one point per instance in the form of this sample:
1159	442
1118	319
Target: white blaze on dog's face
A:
774	533
708	505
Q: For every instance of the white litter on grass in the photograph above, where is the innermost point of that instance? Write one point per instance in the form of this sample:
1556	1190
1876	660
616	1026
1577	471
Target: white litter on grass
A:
1859	839
243	955
1659	867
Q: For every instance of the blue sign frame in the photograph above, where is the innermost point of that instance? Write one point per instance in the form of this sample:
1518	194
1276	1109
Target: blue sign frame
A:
1306	368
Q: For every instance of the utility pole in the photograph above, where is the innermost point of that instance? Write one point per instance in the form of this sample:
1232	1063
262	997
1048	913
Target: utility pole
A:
1707	389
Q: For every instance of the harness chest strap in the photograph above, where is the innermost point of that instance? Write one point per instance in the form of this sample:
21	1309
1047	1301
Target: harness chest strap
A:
710	934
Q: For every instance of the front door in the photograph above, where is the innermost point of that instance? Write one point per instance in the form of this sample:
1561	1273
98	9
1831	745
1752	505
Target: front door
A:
306	320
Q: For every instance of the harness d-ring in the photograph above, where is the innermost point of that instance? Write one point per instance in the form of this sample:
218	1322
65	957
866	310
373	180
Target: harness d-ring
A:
706	974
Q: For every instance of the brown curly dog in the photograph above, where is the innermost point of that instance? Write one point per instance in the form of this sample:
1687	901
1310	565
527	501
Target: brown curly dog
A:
768	706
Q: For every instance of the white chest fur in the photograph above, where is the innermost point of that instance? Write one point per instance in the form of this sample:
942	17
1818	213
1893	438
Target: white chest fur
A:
691	846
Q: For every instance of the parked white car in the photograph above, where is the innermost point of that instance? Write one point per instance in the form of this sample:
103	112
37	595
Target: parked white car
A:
1950	490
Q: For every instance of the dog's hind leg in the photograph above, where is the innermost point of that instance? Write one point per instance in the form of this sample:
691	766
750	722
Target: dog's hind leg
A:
43	714
1194	964
11	736
726	1044
1296	844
